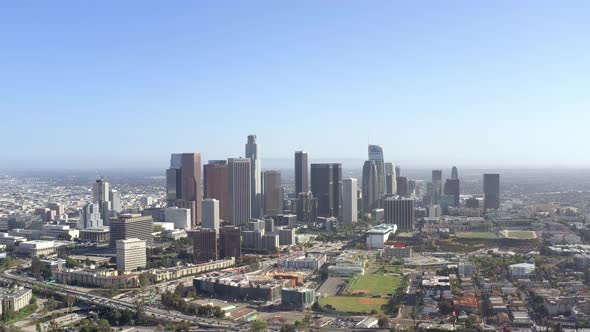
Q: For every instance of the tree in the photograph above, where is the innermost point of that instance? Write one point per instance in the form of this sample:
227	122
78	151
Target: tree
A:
445	307
307	319
288	328
471	320
51	304
383	322
69	300
103	325
179	290
36	267
258	326
143	280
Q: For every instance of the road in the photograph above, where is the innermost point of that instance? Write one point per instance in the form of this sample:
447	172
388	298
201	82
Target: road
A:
151	312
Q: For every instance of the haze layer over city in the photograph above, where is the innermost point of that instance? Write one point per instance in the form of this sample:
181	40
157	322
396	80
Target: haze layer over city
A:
294	166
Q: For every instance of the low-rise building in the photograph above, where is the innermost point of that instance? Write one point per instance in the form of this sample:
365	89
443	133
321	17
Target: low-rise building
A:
297	298
399	251
10	240
96	235
60	232
522	270
174	234
36	248
95	278
287	236
436	286
241	288
307	262
14	299
165	274
378	235
466	269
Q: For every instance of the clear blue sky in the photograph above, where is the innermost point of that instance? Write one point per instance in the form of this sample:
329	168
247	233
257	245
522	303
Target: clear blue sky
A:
125	83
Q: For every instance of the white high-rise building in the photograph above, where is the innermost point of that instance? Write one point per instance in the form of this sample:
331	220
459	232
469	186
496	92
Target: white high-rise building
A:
256	182
131	254
349	201
390	179
90	217
240	195
181	217
100	196
115	198
210	214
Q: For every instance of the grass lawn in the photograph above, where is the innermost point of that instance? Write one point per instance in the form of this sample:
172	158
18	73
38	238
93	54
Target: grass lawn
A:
522	235
374	284
23	313
477	235
354	304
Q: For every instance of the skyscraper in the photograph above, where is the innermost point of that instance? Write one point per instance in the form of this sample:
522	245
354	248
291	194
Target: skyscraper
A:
115	198
376	155
349	201
301	172
306	207
402	186
183	184
216	185
100	191
204	244
230	242
390	179
273	193
437	186
256	183
398	171
100	196
491	191
454	173
326	186
399	211
453	187
337	184
370	186
90	217
240	193
131	254
211	213
132	226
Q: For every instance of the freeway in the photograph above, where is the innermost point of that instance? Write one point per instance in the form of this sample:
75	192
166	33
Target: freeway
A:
153	313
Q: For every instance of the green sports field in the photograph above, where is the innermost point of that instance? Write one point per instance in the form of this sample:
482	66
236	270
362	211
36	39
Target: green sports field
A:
374	284
354	303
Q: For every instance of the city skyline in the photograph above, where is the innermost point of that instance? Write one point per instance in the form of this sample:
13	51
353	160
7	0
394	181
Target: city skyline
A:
295	166
158	69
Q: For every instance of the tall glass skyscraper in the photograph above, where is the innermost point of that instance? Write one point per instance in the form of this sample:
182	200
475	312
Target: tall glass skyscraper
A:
301	173
256	186
369	186
491	191
376	155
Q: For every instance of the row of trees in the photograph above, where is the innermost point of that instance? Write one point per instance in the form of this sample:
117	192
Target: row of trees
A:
175	300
